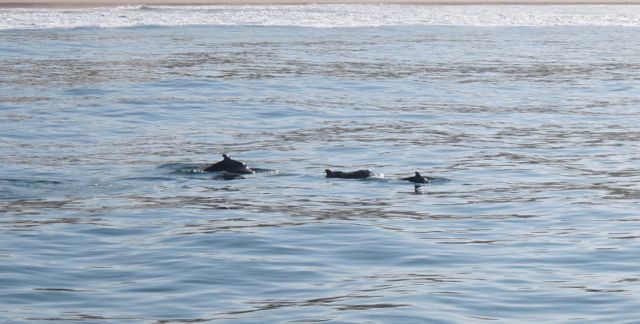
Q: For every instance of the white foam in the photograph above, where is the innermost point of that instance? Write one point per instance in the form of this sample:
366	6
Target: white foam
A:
330	15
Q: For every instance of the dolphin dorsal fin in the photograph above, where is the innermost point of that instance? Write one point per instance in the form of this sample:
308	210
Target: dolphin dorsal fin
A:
224	156
418	174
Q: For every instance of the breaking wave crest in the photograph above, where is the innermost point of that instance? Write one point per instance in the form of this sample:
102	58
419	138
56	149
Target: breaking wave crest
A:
323	16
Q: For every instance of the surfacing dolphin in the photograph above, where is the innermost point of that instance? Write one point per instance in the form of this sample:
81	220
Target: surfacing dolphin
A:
417	178
360	174
229	165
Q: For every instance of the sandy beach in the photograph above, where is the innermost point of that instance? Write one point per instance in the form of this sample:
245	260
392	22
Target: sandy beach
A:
101	3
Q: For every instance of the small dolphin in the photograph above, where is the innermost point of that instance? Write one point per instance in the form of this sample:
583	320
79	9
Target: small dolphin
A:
360	174
417	178
229	165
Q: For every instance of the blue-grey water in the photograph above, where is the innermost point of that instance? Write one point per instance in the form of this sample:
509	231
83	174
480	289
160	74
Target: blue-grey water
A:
106	216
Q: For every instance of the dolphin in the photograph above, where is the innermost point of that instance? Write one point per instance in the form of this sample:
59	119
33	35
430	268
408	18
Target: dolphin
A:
229	165
417	178
360	174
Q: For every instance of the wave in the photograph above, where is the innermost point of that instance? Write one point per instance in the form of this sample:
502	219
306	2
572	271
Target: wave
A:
323	16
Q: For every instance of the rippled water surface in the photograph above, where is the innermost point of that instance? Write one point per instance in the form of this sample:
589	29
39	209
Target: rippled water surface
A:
106	215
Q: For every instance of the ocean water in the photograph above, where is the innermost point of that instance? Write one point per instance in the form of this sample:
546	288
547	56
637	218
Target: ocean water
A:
528	114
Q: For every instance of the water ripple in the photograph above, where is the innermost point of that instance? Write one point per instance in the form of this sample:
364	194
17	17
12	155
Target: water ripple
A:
107	215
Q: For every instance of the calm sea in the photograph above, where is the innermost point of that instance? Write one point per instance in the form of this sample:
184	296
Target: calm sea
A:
530	114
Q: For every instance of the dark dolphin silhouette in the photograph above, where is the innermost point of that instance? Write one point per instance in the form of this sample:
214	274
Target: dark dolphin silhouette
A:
417	178
229	165
360	174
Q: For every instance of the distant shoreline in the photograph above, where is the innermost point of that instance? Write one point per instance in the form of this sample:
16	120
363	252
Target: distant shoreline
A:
110	3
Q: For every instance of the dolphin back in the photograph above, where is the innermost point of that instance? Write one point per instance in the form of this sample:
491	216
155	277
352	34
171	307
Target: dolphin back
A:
229	165
360	174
